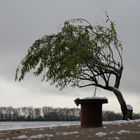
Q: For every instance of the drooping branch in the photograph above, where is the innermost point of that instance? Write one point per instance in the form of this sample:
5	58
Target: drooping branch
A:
78	55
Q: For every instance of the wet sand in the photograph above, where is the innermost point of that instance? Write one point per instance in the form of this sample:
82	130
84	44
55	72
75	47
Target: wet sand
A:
112	131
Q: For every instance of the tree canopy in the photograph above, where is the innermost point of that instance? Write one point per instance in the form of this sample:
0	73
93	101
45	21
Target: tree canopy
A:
81	55
78	55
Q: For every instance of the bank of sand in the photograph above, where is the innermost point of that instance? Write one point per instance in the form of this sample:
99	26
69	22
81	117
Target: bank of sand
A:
124	130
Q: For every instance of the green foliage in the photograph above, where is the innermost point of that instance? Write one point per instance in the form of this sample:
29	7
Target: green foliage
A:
78	55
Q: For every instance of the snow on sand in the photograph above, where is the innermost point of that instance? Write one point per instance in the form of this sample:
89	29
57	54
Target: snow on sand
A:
116	130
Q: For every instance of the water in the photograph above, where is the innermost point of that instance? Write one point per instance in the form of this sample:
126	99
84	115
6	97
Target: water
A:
23	125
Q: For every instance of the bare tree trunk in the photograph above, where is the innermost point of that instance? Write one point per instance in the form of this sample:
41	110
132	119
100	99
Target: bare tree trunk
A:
127	114
122	102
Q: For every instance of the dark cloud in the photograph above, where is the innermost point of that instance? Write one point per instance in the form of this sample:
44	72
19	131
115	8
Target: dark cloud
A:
22	22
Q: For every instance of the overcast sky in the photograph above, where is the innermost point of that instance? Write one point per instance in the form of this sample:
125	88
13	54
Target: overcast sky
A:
24	21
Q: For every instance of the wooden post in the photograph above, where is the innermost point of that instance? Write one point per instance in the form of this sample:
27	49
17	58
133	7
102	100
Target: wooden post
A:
91	111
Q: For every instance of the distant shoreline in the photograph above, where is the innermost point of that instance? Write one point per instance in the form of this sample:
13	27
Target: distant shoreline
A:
51	114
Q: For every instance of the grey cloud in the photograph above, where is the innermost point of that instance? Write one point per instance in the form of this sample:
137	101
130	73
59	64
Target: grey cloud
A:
22	22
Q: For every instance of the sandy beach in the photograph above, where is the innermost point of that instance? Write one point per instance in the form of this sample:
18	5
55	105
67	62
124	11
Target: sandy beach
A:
119	130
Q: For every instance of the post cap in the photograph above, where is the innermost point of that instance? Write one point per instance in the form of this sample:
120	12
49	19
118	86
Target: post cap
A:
91	100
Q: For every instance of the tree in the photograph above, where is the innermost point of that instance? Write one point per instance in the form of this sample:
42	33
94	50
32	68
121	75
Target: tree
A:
79	55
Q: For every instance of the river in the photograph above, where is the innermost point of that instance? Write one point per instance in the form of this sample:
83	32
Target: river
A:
34	124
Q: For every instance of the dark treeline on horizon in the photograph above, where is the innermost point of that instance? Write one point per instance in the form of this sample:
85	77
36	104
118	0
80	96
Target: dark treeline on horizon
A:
50	114
38	114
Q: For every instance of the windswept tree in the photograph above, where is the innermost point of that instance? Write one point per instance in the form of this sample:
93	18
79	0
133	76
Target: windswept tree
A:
79	54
